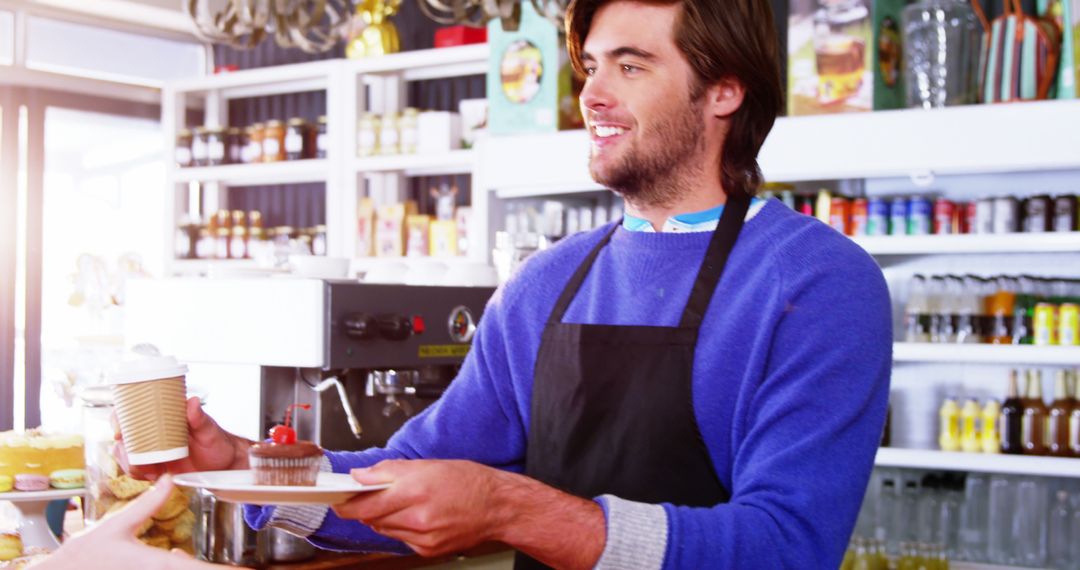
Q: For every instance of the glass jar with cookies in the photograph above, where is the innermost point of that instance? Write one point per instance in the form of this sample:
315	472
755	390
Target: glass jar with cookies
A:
109	489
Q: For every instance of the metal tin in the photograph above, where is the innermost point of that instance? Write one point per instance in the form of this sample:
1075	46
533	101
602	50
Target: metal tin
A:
859	216
898	215
804	205
944	213
1006	215
1069	324
1044	324
1065	213
969	215
1038	214
840	215
877	217
920	213
984	216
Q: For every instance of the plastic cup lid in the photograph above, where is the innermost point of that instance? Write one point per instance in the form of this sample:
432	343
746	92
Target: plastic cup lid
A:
143	364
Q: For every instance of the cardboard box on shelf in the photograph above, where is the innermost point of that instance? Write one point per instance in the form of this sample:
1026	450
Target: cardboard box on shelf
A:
531	86
438	131
444	238
829	57
417	228
459	36
390	229
365	228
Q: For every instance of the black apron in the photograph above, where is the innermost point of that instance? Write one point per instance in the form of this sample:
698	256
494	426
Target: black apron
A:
612	406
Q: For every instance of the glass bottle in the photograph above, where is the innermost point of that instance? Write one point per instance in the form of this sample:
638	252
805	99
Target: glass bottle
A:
390	135
1057	423
926	512
234	145
1029	523
990	437
367	135
949	428
916	325
1010	421
884	517
969	426
238	244
905	513
1001	510
253	149
973	518
1058	535
942	39
215	146
1033	422
409	129
198	147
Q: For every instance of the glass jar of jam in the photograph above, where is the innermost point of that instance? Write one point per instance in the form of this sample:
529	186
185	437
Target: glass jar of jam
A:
273	144
318	240
390	135
296	139
321	142
408	129
182	152
215	146
198	147
253	150
234	145
367	135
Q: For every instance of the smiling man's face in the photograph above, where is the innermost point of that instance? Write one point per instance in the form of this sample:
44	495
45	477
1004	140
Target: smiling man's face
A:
645	123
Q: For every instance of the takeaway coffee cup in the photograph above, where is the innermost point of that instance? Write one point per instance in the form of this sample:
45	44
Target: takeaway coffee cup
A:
151	400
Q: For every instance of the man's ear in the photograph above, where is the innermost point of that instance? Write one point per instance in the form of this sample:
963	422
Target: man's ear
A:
724	98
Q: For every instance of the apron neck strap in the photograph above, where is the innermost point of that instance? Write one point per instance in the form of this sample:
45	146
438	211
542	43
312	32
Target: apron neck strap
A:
571	289
720	246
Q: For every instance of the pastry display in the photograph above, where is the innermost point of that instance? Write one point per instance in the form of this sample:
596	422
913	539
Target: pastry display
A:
11	546
284	460
38	453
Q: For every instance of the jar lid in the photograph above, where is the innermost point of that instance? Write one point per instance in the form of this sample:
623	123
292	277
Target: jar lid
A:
222	232
411	111
321	228
215	129
184	133
322	119
199	130
297	121
145	363
273	123
239	231
233	131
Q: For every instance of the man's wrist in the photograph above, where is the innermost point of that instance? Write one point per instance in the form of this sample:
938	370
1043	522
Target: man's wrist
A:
554	527
240	452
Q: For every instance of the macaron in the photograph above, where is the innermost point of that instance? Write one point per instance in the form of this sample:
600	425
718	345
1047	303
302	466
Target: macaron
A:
67	478
28	482
7	483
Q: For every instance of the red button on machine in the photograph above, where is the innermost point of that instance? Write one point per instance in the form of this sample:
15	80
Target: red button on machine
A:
418	324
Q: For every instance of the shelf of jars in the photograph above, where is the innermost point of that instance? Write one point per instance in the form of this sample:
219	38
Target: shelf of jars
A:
1050	242
986	353
420	65
1019	137
258	174
980	462
459	161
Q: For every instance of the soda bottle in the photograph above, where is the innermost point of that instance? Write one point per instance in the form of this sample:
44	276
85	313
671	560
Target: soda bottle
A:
849	557
936	305
969	311
990	439
1009	424
969	427
949	433
1033	421
916	312
1000	307
1057	424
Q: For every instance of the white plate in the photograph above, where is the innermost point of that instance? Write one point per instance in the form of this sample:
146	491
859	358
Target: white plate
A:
240	487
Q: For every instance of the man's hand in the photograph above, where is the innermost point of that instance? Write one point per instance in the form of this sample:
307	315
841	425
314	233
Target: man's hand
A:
210	448
444	507
112	542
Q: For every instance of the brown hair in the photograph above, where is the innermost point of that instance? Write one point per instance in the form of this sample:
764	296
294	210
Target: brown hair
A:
721	39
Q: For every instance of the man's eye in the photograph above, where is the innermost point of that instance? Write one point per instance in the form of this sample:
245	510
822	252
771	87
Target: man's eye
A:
630	68
590	71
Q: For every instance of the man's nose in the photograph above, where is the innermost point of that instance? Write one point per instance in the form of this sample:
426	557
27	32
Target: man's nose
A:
596	94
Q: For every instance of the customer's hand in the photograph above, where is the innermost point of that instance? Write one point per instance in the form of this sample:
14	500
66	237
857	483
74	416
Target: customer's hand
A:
210	448
112	542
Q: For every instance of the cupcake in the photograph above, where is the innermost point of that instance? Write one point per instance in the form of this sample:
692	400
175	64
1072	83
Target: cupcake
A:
283	460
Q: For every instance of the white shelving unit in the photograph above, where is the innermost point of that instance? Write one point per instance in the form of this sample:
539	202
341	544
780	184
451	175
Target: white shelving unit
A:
987	354
971	243
984	463
345	84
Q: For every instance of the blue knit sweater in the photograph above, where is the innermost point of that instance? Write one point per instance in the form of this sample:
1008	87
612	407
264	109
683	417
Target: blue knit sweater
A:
791	376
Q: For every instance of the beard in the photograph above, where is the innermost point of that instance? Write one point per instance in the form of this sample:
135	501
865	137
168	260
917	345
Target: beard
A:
655	169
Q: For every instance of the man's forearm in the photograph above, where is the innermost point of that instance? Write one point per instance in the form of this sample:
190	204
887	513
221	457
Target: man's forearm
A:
558	529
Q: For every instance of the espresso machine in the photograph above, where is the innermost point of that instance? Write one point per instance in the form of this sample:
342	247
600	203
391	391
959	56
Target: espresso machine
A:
366	357
390	351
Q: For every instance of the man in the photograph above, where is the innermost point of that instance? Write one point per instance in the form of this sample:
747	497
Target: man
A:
654	393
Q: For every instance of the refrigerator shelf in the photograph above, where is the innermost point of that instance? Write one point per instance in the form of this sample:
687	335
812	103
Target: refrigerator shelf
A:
979	462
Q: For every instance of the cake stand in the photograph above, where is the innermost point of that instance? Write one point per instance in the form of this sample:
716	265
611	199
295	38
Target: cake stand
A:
33	528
